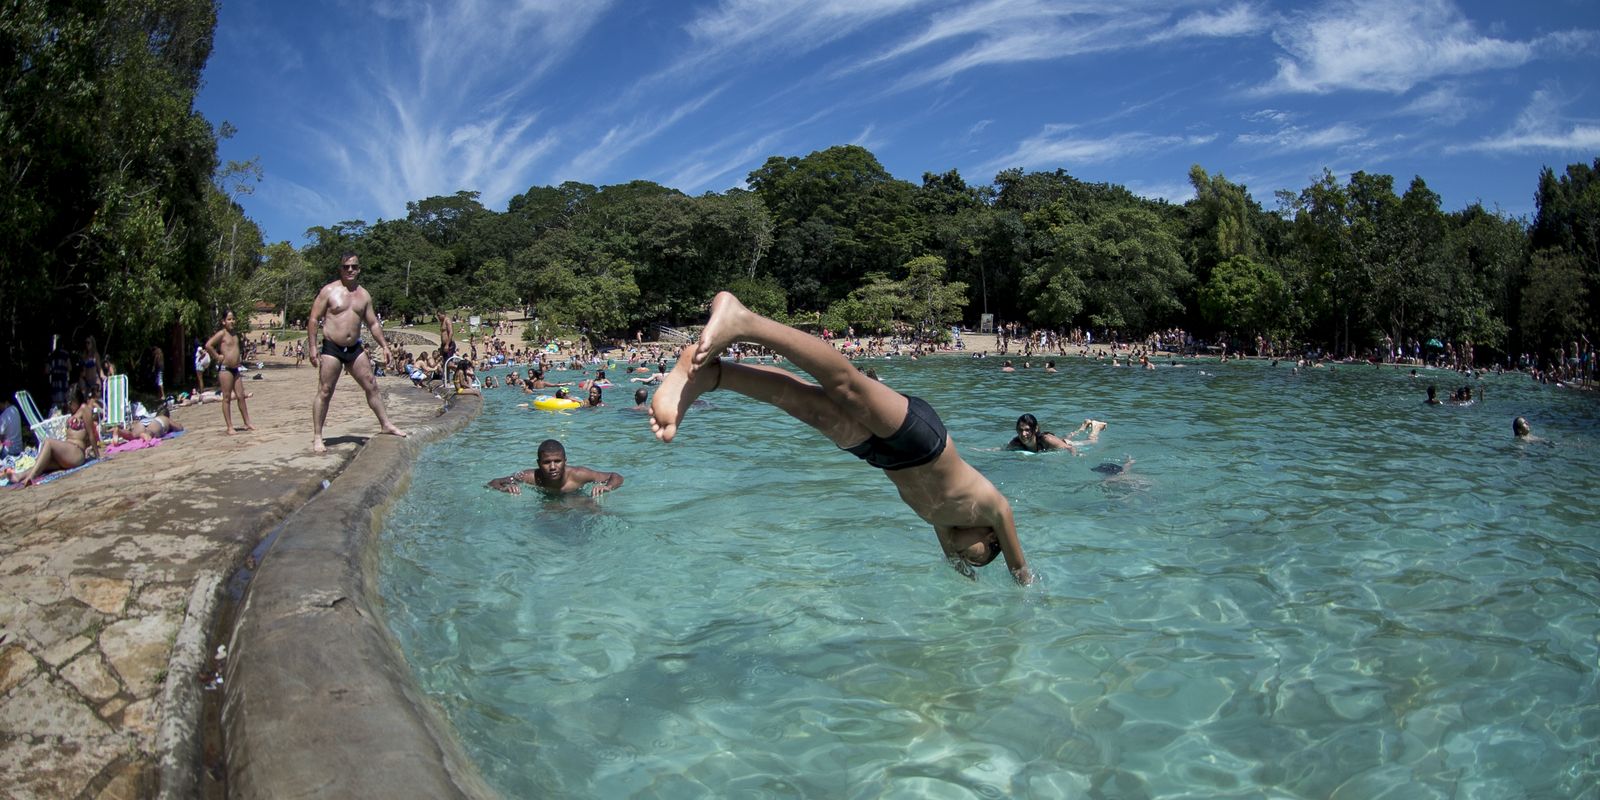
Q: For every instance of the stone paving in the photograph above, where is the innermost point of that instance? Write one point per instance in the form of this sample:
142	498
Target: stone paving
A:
110	580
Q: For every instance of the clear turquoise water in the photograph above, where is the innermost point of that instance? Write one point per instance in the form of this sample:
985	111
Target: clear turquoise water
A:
1307	586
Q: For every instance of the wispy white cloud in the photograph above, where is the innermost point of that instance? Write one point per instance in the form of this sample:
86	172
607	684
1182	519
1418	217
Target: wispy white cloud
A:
436	108
866	139
761	29
1236	21
998	32
1445	104
1292	138
1272	115
721	166
591	164
1050	148
1015	31
1540	127
1387	46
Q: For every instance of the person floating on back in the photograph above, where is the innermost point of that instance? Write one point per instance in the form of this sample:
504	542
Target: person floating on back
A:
900	435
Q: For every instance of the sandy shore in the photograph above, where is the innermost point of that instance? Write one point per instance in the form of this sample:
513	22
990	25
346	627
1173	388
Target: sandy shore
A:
110	579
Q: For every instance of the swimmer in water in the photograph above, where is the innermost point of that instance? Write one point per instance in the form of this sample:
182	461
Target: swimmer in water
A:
1031	439
639	405
1524	432
555	477
900	435
1111	470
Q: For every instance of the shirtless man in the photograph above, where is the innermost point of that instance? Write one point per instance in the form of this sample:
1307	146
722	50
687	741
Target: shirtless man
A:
338	312
447	338
900	435
555	477
224	349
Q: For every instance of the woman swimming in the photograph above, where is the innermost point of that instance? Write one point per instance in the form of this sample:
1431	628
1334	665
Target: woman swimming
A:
1030	438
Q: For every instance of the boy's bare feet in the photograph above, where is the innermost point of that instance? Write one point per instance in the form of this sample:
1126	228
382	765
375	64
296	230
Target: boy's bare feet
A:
393	431
678	391
317	446
727	318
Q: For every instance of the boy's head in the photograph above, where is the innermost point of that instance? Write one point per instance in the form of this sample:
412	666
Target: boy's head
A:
968	548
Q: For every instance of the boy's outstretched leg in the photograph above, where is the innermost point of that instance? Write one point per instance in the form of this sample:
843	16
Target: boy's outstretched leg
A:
877	407
804	401
678	391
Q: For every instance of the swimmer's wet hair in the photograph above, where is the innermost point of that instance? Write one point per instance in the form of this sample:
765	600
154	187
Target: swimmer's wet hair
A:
551	446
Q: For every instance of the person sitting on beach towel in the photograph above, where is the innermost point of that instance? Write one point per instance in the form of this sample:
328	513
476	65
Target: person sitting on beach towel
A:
81	445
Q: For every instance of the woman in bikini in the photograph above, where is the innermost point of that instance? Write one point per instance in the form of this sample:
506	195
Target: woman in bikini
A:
81	444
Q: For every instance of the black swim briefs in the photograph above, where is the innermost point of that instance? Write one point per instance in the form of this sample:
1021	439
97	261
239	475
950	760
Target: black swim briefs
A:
920	439
348	355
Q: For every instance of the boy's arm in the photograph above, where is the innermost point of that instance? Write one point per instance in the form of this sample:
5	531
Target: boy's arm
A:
509	484
1005	529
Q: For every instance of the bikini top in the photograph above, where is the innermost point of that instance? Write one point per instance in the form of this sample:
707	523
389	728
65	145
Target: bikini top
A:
75	424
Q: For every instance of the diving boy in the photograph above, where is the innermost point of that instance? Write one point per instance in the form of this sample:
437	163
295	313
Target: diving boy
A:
900	435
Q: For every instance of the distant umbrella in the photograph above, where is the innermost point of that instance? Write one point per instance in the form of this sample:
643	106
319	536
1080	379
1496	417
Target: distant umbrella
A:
1435	343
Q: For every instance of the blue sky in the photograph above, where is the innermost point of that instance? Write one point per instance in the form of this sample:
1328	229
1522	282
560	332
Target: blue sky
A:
355	108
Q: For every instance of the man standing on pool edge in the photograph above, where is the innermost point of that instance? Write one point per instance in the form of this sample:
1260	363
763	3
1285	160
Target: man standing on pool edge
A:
900	435
338	312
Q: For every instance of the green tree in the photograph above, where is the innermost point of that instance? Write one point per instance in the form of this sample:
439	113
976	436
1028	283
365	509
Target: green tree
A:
287	281
1568	221
838	215
1555	303
1485	256
492	289
575	283
1245	297
1112	266
1223	223
107	167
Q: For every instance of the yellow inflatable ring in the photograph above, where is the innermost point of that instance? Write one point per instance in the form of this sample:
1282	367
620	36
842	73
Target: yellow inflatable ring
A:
548	403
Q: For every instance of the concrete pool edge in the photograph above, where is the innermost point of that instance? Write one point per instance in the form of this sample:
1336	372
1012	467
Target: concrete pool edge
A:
318	699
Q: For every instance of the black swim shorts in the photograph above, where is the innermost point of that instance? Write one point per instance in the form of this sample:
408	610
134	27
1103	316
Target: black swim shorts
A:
920	439
348	355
